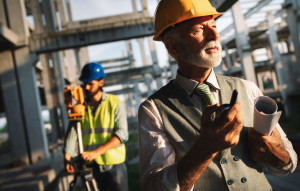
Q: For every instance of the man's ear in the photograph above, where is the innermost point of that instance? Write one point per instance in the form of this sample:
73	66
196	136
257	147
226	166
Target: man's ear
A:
171	46
101	82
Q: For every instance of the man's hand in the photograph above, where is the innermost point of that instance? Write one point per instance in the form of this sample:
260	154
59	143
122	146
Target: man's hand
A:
113	142
68	167
90	155
224	132
215	136
267	149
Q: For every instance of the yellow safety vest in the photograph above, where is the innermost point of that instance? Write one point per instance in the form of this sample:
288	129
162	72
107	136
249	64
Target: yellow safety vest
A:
98	129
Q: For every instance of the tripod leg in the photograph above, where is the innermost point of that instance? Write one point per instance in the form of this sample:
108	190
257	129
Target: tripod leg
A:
72	184
95	184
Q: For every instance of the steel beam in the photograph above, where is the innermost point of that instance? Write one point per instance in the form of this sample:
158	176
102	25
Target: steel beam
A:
60	40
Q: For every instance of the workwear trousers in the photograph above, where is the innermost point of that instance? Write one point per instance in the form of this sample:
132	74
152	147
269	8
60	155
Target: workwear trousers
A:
114	179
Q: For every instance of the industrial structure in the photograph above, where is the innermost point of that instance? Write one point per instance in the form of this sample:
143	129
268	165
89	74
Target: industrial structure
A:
36	62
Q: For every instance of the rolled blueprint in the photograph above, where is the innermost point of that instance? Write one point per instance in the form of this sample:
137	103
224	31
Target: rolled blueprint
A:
266	115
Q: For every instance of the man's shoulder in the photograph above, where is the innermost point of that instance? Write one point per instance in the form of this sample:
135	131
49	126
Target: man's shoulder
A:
228	78
163	90
236	80
111	97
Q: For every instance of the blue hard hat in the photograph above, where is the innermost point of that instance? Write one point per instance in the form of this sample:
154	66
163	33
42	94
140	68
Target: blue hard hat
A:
91	71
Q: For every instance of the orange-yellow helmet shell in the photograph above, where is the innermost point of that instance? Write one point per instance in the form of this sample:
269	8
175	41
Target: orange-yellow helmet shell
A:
170	12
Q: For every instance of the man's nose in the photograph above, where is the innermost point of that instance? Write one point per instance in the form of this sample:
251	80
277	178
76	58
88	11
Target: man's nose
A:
86	86
212	34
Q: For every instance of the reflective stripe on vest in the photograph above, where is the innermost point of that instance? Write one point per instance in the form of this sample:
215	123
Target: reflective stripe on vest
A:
98	129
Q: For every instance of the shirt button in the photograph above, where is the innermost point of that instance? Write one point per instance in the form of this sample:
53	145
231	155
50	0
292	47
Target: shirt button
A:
229	182
236	158
223	161
243	180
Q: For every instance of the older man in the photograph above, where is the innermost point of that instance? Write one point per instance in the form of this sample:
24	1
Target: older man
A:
181	146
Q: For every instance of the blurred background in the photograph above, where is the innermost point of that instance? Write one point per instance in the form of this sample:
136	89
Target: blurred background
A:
45	43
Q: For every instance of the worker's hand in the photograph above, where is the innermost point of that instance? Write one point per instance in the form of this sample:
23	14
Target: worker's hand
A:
68	166
89	155
223	132
267	149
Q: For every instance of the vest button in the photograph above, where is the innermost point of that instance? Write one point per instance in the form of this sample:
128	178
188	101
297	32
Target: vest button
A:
236	158
229	182
223	161
244	179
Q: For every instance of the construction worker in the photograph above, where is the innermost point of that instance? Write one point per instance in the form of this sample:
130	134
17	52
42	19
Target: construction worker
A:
183	146
104	131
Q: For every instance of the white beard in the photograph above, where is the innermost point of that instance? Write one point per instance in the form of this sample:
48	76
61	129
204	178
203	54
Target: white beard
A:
201	59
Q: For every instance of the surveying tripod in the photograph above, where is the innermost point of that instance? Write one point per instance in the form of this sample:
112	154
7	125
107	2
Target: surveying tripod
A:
76	114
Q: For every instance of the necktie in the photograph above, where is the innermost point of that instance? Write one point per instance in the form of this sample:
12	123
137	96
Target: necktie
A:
204	92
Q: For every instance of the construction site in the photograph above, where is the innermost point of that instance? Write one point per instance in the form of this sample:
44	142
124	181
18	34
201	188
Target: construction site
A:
44	44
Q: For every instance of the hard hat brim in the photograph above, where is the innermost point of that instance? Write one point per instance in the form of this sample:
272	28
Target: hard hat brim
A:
157	36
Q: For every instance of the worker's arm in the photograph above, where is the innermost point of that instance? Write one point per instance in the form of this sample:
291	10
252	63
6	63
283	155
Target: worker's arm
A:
70	147
91	155
214	137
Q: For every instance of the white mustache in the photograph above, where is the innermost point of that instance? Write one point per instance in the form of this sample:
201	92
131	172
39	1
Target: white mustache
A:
213	44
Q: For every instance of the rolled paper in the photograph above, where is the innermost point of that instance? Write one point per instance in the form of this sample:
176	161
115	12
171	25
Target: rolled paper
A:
266	115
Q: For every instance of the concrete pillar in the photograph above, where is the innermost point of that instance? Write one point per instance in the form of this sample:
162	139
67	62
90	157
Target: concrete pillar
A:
145	9
71	69
130	52
25	62
23	106
17	20
134	6
157	73
82	57
35	8
19	143
269	52
50	15
58	62
2	14
233	59
61	11
69	10
273	38
242	43
50	91
148	81
142	48
137	96
227	58
53	82
293	21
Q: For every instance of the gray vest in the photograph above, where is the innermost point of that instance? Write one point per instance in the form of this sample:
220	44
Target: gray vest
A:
231	169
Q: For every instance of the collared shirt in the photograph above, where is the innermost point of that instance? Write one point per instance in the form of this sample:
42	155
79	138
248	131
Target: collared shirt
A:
157	156
120	129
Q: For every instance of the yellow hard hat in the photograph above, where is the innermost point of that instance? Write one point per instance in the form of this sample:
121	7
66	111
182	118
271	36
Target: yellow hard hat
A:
170	12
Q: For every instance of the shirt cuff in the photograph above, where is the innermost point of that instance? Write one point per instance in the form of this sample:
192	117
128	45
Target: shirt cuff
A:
283	171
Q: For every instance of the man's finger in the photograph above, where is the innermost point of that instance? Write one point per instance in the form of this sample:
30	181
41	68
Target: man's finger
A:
208	111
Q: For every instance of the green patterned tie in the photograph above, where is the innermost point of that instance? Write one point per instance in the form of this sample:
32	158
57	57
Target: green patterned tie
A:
206	97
